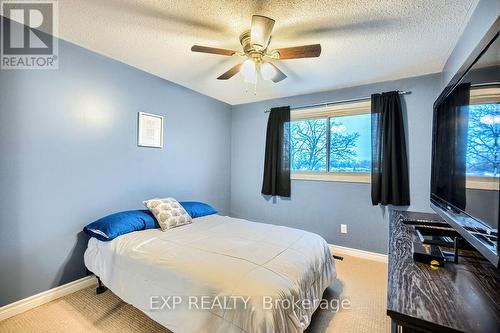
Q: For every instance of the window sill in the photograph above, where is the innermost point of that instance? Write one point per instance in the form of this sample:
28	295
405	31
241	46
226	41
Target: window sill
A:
347	177
482	183
477	183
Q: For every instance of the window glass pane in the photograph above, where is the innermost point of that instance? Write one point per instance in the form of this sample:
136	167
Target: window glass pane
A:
483	140
308	145
350	143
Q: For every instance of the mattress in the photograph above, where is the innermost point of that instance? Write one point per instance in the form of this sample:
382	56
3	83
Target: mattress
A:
218	274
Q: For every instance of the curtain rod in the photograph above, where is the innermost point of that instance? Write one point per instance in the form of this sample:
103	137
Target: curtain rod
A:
337	102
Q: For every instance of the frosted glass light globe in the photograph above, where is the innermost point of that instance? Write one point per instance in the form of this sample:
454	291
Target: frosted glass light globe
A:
248	71
267	71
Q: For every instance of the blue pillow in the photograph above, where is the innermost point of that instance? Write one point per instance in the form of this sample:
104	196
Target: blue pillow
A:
114	225
197	209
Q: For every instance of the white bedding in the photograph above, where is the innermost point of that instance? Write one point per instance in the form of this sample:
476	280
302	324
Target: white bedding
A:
217	258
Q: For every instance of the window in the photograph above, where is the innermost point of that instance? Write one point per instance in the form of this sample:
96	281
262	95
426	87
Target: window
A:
483	139
332	143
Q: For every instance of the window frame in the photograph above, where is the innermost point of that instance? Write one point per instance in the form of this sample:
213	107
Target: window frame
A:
484	95
482	183
328	112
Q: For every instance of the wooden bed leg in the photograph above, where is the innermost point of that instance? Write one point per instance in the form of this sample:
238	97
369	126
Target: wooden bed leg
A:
337	257
100	288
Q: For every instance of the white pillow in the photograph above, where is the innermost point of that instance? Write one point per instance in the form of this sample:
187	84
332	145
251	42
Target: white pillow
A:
168	212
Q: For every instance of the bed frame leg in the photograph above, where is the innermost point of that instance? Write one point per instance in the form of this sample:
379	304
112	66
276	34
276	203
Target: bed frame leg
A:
100	288
338	257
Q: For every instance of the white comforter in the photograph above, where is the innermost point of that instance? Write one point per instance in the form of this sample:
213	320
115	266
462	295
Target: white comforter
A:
265	274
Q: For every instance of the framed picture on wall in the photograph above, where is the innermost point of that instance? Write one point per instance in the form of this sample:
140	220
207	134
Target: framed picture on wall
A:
150	130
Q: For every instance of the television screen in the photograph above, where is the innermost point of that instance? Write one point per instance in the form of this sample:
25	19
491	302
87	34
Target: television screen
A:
466	153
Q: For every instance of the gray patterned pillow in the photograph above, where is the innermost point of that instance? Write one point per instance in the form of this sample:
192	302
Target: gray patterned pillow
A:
168	212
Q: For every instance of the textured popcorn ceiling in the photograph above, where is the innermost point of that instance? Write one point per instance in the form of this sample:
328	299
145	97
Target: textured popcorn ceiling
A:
363	41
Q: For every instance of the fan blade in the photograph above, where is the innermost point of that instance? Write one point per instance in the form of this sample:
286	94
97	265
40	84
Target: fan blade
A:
212	50
306	51
230	73
280	76
260	32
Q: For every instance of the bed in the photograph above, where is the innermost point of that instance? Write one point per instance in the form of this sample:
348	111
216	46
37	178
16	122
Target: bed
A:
270	278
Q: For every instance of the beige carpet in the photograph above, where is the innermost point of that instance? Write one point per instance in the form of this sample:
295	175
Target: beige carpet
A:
362	283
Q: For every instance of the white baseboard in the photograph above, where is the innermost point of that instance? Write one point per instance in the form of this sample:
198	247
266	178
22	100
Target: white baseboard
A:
336	249
31	302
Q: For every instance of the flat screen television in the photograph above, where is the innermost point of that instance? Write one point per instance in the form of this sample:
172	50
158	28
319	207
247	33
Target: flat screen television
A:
466	149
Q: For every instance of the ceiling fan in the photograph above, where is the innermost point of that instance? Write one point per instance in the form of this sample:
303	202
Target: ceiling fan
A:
255	44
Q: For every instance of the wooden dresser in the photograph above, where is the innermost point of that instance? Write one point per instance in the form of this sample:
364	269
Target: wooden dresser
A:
456	298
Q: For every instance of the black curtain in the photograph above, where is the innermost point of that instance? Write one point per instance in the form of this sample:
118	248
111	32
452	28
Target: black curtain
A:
390	185
277	160
451	121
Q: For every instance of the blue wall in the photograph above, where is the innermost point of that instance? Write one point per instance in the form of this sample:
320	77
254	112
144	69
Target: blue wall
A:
68	156
318	206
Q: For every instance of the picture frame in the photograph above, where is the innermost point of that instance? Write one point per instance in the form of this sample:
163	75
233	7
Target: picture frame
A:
149	130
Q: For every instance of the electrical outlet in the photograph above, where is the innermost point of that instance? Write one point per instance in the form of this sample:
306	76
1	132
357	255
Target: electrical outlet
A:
343	228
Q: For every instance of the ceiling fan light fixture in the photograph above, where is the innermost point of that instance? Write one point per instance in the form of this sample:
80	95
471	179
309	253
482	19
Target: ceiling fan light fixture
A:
248	70
260	32
268	71
255	42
